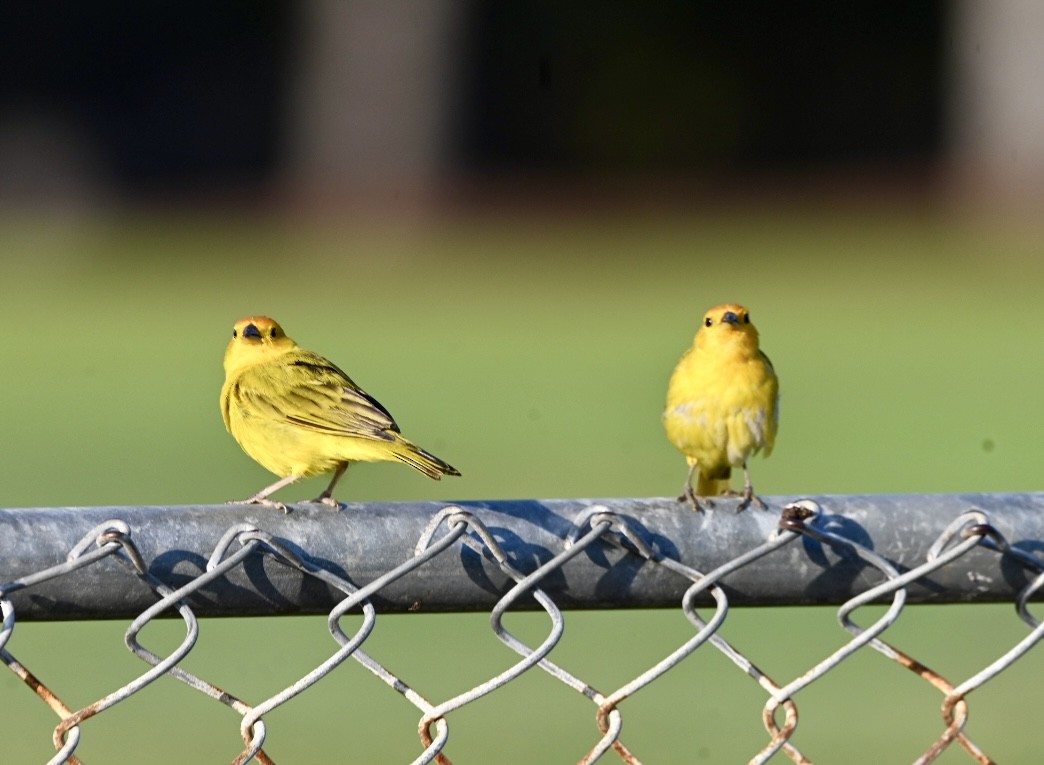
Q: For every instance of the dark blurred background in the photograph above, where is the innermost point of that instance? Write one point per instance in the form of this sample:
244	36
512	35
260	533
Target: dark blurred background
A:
369	98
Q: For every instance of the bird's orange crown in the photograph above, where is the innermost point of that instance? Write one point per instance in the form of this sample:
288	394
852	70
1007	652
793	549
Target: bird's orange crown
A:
727	325
255	339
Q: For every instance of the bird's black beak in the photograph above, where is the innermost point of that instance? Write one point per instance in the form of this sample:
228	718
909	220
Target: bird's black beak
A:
251	331
728	318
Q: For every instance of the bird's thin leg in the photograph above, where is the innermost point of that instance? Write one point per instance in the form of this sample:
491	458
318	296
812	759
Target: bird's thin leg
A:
261	498
326	497
688	494
748	493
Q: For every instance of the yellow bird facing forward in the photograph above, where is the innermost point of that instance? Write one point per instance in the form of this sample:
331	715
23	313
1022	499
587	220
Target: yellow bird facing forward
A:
298	415
722	404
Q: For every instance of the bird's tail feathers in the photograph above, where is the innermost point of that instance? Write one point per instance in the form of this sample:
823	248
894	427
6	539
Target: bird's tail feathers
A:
716	484
423	461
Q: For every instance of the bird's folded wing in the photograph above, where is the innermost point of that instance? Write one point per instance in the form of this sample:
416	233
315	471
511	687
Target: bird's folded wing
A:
314	394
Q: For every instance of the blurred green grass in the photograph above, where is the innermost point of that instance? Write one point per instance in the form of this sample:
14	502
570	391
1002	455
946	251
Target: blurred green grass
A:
532	352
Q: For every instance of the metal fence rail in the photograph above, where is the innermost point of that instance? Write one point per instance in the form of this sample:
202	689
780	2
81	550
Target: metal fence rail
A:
186	562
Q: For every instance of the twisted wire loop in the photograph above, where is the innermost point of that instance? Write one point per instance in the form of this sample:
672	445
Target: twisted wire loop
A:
252	542
976	529
780	736
110	539
7	607
483	541
805	518
972	529
425	550
617	530
454	530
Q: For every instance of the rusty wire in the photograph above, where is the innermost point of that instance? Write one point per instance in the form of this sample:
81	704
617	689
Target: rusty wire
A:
466	532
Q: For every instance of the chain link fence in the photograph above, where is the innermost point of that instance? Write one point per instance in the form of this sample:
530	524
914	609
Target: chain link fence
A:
143	563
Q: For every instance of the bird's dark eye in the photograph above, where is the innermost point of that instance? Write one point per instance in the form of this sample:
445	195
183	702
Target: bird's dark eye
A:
274	333
235	334
746	318
708	321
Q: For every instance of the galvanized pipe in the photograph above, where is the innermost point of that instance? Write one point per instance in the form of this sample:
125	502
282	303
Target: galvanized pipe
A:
363	541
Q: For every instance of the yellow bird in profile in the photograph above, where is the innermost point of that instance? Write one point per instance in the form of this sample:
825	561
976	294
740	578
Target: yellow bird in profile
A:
722	404
299	415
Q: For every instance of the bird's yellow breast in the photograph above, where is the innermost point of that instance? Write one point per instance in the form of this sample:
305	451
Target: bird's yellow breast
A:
722	405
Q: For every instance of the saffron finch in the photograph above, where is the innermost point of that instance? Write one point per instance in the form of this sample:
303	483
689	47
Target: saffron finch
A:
722	404
299	415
